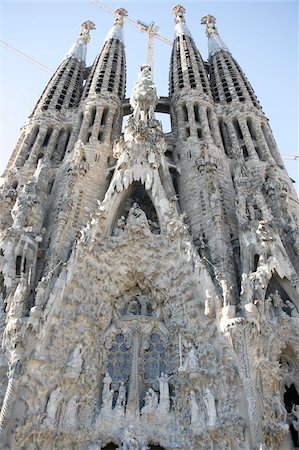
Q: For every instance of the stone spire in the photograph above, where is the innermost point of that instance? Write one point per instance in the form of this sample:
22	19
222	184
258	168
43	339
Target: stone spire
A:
180	27
215	42
187	68
116	32
108	69
79	48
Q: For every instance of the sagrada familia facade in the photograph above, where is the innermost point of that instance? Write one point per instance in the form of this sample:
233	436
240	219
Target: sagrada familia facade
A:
149	281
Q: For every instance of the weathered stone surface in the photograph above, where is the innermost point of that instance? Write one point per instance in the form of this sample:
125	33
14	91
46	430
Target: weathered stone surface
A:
149	291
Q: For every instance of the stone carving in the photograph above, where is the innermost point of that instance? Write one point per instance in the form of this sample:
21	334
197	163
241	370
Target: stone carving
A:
164	403
144	96
129	440
195	411
226	290
191	362
52	410
121	399
107	393
150	402
279	410
210	404
295	412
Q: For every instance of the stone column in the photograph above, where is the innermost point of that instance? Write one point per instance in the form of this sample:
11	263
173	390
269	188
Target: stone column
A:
133	395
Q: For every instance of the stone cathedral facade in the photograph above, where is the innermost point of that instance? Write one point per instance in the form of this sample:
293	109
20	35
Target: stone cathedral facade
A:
149	281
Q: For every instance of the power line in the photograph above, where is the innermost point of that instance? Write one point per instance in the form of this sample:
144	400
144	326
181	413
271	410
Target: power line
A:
28	58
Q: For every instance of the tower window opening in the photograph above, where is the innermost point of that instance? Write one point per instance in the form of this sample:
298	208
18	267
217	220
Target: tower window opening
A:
212	131
88	137
196	112
199	133
258	152
104	116
100	136
50	186
47	137
185	112
238	129
68	135
245	152
18	265
92	116
187	132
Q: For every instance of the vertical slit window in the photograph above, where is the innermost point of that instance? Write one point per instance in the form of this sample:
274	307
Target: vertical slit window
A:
92	116
47	137
104	116
196	112
238	129
185	112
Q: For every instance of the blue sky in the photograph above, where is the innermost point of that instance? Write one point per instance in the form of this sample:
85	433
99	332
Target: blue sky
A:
262	36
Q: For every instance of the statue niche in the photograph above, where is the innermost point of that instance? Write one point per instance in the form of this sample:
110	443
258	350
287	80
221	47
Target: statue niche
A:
279	299
137	209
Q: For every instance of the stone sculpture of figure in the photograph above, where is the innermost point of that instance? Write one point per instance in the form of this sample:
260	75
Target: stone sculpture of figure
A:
150	402
144	96
164	391
121	399
295	412
292	309
134	308
107	393
192	362
137	216
279	410
195	412
129	441
52	406
210	403
74	365
226	290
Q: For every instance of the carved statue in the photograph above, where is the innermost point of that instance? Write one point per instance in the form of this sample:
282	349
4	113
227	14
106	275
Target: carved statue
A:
291	309
196	414
121	399
52	406
279	410
226	290
107	393
144	96
137	216
129	441
192	362
150	402
210	403
164	391
295	412
75	362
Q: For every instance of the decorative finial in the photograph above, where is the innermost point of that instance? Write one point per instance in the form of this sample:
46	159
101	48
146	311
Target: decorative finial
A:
215	42
180	27
179	11
85	30
210	22
120	13
116	32
78	49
